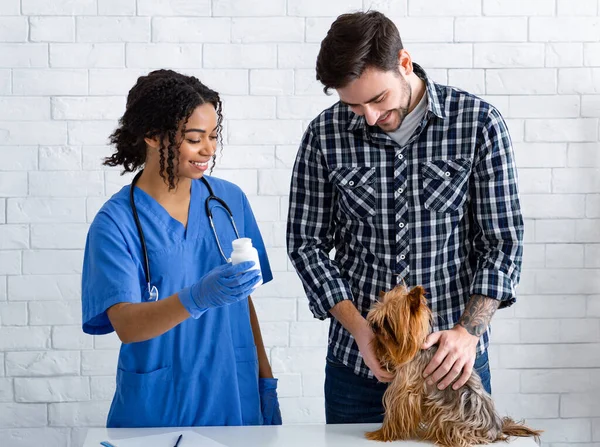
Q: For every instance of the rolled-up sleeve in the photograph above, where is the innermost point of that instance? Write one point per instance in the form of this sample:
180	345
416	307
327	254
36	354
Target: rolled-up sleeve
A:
109	275
498	222
310	229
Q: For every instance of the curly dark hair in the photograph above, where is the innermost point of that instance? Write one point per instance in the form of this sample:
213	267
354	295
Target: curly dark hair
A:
156	106
354	42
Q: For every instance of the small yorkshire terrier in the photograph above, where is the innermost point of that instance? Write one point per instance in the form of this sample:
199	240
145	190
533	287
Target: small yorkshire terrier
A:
415	410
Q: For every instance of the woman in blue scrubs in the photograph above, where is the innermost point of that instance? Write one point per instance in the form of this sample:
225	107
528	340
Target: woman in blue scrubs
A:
173	370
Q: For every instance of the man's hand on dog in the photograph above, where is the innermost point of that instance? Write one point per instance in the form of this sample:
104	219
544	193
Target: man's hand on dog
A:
454	359
364	339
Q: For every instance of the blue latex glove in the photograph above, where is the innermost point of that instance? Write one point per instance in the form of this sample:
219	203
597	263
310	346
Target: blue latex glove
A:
225	284
269	404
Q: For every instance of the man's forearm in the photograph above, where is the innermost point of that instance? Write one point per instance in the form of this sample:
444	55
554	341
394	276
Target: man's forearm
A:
346	313
478	314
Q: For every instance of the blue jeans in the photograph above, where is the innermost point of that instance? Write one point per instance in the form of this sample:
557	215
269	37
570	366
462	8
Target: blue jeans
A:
352	399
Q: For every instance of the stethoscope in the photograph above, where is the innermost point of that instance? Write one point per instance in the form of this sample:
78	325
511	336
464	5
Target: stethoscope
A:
153	290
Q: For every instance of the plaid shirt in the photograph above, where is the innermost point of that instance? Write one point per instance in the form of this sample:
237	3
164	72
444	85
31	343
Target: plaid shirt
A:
441	211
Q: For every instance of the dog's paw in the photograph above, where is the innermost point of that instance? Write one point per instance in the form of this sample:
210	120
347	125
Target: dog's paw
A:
376	435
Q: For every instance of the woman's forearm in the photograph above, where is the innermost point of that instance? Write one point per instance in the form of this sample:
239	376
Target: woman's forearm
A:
264	368
135	322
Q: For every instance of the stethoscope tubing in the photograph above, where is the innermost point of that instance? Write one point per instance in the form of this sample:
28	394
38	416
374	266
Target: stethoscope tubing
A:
152	290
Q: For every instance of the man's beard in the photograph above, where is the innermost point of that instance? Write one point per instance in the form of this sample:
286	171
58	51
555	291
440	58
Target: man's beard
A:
402	110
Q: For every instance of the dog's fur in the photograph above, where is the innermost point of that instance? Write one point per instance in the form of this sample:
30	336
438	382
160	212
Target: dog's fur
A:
401	322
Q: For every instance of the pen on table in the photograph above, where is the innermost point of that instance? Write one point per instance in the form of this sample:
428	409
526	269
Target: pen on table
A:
178	439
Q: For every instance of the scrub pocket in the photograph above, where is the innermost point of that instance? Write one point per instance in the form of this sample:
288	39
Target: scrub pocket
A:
247	374
356	191
144	399
445	184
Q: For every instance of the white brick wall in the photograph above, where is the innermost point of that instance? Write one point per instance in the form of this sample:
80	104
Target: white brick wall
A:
65	69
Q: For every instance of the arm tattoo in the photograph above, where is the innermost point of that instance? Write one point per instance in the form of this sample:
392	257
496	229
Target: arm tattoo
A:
477	314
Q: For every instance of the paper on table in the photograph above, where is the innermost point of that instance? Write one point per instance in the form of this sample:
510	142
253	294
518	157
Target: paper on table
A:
189	439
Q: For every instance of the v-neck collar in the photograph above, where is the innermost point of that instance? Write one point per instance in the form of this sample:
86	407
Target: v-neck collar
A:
150	204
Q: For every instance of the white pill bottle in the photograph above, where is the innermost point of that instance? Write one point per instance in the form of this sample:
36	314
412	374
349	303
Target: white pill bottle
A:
244	251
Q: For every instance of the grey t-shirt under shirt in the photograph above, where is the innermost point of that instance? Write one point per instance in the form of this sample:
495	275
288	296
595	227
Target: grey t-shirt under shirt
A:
410	123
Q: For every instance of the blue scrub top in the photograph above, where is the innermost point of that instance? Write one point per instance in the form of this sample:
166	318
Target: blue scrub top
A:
201	372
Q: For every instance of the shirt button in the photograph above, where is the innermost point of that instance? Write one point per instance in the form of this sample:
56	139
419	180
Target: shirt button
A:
400	156
401	224
447	173
351	183
401	190
402	257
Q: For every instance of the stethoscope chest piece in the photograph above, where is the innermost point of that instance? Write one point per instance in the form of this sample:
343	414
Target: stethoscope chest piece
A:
152	293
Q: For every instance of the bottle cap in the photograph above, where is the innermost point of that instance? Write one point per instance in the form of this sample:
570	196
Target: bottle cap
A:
243	242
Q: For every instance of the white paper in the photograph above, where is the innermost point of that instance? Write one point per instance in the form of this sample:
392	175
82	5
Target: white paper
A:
189	439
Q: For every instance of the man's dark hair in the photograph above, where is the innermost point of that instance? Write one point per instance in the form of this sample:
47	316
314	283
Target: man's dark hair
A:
156	105
354	42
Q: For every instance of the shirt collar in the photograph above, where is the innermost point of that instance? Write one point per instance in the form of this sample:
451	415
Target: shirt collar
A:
435	103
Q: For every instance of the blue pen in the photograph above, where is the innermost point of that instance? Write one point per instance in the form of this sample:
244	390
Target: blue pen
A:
107	444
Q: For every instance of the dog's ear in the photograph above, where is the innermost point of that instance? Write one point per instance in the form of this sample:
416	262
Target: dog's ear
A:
416	297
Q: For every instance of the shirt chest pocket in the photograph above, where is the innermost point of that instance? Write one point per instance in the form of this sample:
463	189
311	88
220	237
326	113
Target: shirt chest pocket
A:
445	184
356	190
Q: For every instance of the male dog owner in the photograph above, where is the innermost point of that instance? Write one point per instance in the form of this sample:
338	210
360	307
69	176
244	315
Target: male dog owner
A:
410	181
